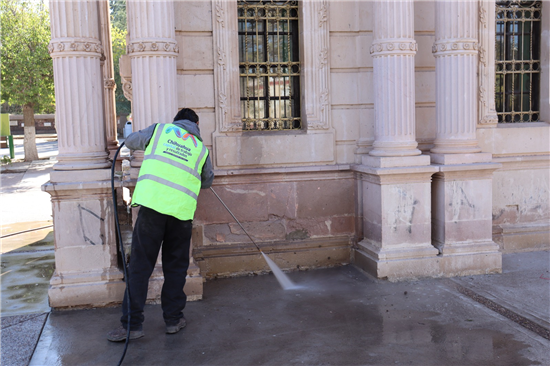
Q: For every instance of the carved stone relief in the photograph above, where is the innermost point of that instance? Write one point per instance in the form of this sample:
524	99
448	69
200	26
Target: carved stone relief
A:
487	115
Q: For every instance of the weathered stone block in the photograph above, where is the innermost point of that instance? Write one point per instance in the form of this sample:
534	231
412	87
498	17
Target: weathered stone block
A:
307	228
193	91
325	198
274	149
196	53
342	225
248	202
193	16
281	200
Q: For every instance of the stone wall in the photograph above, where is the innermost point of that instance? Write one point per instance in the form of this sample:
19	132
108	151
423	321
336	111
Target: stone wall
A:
244	157
306	219
521	194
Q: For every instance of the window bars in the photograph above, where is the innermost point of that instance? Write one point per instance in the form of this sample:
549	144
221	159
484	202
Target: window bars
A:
517	57
269	65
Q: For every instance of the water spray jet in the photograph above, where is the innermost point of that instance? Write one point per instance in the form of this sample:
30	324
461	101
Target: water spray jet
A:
283	279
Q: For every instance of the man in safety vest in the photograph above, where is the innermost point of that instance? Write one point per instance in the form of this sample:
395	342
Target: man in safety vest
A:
175	167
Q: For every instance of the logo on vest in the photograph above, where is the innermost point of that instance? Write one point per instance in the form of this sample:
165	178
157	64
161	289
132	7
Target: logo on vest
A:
178	150
180	134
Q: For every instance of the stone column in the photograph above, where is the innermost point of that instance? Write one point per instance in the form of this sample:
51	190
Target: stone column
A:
462	189
395	176
153	50
76	50
393	52
86	272
109	85
456	52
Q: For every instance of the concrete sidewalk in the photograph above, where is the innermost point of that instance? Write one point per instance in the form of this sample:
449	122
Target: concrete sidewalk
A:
339	316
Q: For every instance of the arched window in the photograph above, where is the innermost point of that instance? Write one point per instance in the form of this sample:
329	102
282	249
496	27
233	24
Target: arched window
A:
269	65
518	60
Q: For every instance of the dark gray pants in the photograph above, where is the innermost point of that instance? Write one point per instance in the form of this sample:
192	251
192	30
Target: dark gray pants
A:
152	230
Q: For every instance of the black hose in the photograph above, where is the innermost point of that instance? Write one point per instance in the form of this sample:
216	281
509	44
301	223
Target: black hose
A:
117	224
25	231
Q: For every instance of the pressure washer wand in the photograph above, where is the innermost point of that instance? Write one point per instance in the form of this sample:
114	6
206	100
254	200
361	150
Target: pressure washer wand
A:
283	279
228	210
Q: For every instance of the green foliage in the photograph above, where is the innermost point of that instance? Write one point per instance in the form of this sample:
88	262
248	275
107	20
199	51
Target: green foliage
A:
118	13
118	40
5	160
26	66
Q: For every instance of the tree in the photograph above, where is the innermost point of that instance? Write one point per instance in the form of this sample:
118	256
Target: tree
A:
26	66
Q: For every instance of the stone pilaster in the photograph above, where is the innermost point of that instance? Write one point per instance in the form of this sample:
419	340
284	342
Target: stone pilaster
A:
487	115
395	177
76	50
153	50
456	53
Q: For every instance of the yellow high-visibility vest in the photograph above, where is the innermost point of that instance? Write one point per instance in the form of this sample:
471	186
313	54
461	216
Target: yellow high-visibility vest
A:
169	180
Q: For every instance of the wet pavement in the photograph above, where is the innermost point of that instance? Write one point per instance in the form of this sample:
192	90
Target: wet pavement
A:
338	316
27	248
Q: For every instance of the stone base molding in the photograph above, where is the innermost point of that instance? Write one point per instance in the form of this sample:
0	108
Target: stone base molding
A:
229	260
526	237
98	289
193	284
434	266
396	269
395	161
86	289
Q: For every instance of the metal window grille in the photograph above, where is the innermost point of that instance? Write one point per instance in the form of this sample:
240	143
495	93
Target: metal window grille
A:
269	65
517	56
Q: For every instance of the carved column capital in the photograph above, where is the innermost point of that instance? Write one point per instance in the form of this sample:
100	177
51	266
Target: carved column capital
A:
109	83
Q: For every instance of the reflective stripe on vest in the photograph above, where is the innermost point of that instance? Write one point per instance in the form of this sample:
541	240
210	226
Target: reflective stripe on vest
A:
167	183
169	180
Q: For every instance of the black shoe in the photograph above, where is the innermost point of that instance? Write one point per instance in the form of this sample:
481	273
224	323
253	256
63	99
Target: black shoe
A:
172	329
119	334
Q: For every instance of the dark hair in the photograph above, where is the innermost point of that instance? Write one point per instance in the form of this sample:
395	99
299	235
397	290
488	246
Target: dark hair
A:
186	113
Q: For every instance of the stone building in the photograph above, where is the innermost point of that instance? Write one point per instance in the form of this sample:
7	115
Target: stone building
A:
409	138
